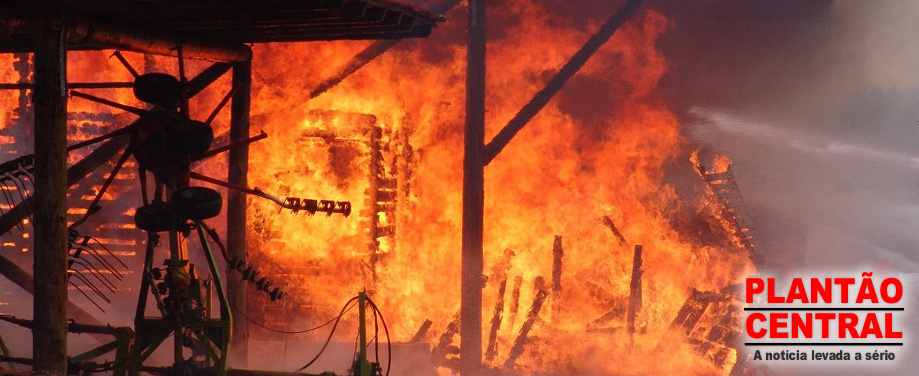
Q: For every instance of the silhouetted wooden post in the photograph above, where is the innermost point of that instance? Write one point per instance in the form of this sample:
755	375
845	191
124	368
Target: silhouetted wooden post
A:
237	173
473	195
49	334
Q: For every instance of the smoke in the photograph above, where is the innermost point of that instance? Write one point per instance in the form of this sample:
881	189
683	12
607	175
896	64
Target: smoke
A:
815	101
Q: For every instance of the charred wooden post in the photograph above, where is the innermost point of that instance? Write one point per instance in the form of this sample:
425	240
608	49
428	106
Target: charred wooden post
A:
618	308
473	194
439	352
557	253
521	340
500	273
49	342
691	311
383	195
422	332
612	227
515	300
492	350
634	291
237	173
723	336
24	110
558	81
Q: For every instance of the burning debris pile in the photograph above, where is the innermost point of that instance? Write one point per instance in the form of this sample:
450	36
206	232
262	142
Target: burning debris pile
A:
600	257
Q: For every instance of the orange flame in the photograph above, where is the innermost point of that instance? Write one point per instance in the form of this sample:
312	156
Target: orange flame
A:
560	176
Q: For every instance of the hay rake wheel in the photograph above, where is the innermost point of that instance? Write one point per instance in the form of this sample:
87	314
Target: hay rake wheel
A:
166	142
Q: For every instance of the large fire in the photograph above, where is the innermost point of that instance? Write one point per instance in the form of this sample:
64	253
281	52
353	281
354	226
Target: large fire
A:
582	166
561	176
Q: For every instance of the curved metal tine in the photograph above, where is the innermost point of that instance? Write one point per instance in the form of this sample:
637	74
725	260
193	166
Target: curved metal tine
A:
91	285
84	294
108	251
1	206
21	175
9	199
27	165
93	252
84	246
22	197
19	188
88	266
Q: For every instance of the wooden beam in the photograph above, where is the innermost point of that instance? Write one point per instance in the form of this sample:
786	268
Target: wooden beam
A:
49	336
207	77
82	32
473	195
370	53
237	173
529	110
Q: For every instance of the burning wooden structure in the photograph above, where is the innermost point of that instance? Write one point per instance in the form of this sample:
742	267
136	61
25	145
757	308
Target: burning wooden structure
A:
616	272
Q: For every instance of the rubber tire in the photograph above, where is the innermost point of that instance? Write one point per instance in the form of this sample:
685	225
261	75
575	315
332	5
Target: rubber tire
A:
196	203
188	137
155	217
158	88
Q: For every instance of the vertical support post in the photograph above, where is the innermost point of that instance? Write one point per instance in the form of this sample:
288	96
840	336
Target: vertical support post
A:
634	291
363	366
49	343
473	195
237	173
557	253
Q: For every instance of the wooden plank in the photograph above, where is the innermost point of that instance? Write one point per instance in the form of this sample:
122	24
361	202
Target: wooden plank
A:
529	110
